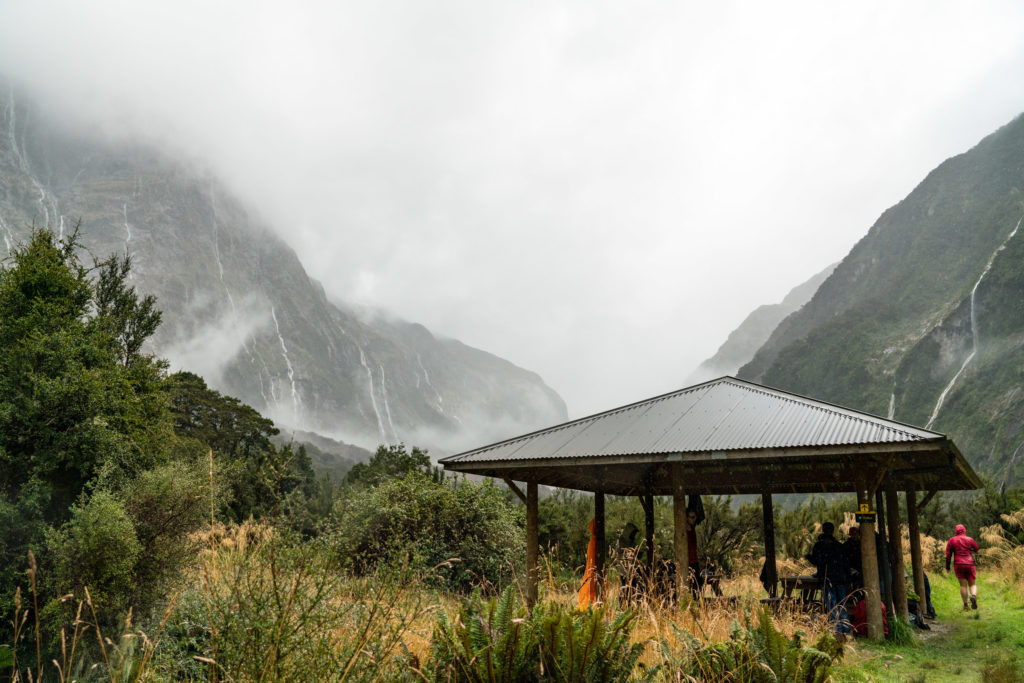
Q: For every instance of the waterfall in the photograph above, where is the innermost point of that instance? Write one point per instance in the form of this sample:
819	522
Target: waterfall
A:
288	364
373	394
387	406
8	236
426	378
892	405
974	327
22	161
127	237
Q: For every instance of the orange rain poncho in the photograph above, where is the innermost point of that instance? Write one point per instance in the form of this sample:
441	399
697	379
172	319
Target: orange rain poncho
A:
588	592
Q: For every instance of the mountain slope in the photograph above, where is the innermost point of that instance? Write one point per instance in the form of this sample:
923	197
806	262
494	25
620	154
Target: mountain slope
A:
743	342
240	309
924	319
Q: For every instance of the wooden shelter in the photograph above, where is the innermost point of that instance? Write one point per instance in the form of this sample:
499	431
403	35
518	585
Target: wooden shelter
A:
730	436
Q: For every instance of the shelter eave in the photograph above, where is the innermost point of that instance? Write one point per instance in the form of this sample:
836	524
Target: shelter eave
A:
935	464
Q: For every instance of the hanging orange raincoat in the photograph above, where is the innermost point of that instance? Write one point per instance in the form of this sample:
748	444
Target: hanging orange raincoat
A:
588	592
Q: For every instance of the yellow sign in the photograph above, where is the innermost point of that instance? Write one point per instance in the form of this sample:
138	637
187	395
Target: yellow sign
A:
865	507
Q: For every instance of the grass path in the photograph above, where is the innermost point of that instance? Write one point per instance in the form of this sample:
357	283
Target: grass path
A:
986	645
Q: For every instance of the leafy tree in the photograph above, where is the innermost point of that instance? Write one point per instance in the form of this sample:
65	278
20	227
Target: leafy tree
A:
259	475
221	422
80	404
389	462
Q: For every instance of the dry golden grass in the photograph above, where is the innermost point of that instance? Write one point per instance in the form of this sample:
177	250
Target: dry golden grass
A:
1003	554
411	613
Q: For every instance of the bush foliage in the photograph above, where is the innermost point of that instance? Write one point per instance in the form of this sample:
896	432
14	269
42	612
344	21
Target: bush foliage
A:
421	521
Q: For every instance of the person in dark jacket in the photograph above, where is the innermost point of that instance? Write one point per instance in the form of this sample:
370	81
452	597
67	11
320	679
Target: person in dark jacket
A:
832	563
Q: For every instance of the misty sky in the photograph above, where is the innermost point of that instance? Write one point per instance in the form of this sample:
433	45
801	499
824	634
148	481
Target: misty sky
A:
596	191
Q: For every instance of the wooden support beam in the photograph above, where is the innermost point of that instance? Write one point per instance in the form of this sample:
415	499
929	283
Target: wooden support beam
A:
882	543
532	544
599	537
680	542
881	474
515	489
927	497
869	569
768	519
916	565
899	581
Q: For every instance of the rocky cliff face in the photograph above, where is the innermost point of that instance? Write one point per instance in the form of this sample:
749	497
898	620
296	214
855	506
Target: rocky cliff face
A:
239	308
924	320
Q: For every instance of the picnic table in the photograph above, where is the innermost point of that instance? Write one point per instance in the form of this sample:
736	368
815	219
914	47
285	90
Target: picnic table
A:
809	586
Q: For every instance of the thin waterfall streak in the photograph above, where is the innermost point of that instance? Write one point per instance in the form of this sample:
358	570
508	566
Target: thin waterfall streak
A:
892	405
216	252
21	159
387	406
127	238
974	325
288	365
426	377
1009	465
8	236
945	392
373	394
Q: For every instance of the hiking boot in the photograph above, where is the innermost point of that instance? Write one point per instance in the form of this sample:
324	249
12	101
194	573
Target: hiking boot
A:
966	608
974	602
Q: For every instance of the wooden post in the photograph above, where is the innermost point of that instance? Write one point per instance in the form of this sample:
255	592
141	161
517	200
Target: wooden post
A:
531	544
768	517
915	548
680	542
882	543
869	568
899	580
599	537
647	501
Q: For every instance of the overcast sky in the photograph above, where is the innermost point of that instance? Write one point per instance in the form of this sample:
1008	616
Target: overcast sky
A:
597	191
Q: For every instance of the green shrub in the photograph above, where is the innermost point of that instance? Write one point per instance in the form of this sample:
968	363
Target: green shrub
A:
421	523
165	504
499	641
754	655
96	549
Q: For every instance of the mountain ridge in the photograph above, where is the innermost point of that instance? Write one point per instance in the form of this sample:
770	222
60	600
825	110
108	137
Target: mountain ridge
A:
923	320
240	309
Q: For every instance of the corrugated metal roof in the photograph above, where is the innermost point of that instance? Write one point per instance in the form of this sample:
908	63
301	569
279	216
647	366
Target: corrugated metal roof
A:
726	414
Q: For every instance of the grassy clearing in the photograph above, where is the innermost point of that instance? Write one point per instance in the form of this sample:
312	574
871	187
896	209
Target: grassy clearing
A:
987	645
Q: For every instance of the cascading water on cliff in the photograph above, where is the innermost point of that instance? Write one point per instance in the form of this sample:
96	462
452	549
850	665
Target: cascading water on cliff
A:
426	377
974	328
288	365
373	394
387	406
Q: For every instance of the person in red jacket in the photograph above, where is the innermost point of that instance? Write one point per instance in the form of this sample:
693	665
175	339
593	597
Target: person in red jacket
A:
960	549
860	618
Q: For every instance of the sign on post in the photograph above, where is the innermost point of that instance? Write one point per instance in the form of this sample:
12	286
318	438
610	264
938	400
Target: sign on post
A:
865	515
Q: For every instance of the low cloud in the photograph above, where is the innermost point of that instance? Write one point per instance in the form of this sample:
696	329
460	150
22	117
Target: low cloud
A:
209	348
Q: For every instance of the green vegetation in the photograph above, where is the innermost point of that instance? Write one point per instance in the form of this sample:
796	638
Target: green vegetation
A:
150	529
986	645
500	641
753	654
